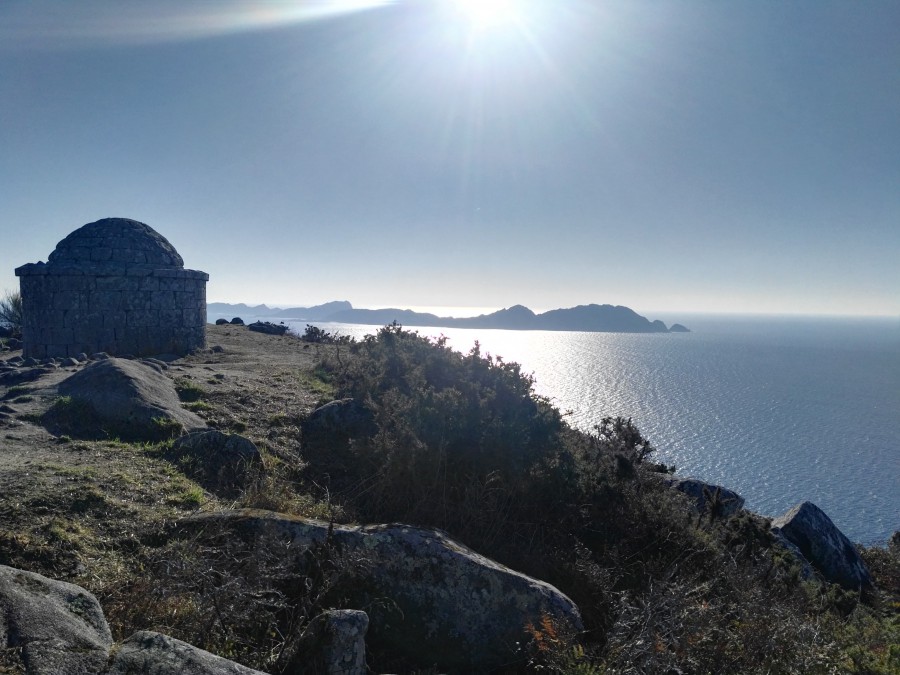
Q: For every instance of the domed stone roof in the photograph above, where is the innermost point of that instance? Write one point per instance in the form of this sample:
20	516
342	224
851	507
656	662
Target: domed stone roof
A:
116	240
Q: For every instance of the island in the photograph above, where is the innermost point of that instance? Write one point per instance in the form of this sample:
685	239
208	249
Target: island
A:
587	318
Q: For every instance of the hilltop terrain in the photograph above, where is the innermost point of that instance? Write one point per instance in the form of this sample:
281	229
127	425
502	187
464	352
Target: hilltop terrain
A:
171	541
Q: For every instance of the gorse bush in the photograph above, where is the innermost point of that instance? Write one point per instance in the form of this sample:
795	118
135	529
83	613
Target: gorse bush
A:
318	335
11	311
463	442
450	431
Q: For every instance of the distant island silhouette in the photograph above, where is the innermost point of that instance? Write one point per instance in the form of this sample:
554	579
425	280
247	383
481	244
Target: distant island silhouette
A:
587	318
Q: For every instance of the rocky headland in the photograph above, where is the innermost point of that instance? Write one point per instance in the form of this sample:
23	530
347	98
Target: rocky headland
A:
590	318
270	504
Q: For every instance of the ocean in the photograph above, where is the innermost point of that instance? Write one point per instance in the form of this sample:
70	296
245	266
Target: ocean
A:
780	410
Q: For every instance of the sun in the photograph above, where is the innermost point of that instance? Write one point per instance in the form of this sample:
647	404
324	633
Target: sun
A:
485	14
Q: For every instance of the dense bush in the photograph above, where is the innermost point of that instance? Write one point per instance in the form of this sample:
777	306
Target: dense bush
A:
318	335
11	312
462	442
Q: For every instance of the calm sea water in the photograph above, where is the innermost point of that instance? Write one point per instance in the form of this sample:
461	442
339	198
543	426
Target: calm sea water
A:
781	410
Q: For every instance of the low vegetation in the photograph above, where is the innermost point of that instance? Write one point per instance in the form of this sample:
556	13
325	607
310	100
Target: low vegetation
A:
11	312
463	443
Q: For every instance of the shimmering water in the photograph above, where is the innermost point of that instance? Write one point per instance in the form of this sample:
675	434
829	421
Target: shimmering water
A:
779	410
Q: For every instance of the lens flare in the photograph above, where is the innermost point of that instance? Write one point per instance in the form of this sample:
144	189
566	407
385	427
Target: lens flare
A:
484	14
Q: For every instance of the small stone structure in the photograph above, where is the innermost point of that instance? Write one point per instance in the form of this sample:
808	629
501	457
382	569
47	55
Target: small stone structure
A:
115	286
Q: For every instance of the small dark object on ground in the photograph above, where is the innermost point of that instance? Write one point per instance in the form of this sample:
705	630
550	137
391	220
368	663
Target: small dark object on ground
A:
268	328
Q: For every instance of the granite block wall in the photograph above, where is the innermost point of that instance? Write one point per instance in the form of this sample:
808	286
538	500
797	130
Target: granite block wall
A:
137	312
114	286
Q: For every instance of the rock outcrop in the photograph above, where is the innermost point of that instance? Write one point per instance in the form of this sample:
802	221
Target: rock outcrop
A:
222	462
61	630
12	377
268	328
333	643
823	545
59	627
342	418
157	654
131	400
711	500
440	602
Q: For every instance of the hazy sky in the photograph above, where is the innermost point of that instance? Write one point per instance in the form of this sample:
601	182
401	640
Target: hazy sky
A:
668	156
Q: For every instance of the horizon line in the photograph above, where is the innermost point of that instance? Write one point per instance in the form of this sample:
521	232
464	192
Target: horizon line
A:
483	309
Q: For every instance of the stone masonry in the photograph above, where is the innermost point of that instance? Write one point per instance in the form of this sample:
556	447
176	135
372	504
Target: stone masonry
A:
114	286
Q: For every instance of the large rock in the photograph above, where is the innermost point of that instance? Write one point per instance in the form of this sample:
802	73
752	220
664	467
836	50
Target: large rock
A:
343	633
342	418
13	377
131	400
446	605
222	462
823	545
333	643
148	653
268	328
59	627
60	630
712	500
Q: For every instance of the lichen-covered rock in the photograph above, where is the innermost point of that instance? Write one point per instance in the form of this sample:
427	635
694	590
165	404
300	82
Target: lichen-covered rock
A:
344	643
446	605
712	500
456	608
804	568
59	627
333	643
131	400
823	545
149	653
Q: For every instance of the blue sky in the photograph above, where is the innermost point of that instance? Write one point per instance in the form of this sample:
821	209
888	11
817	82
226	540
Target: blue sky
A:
669	156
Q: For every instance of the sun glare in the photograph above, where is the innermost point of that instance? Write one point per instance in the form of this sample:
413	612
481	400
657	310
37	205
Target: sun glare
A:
484	14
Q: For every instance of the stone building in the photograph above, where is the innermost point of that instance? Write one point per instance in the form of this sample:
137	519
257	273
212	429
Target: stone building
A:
115	286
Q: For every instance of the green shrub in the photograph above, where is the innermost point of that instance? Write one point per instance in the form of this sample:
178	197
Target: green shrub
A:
317	335
12	312
165	429
458	438
462	442
188	392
